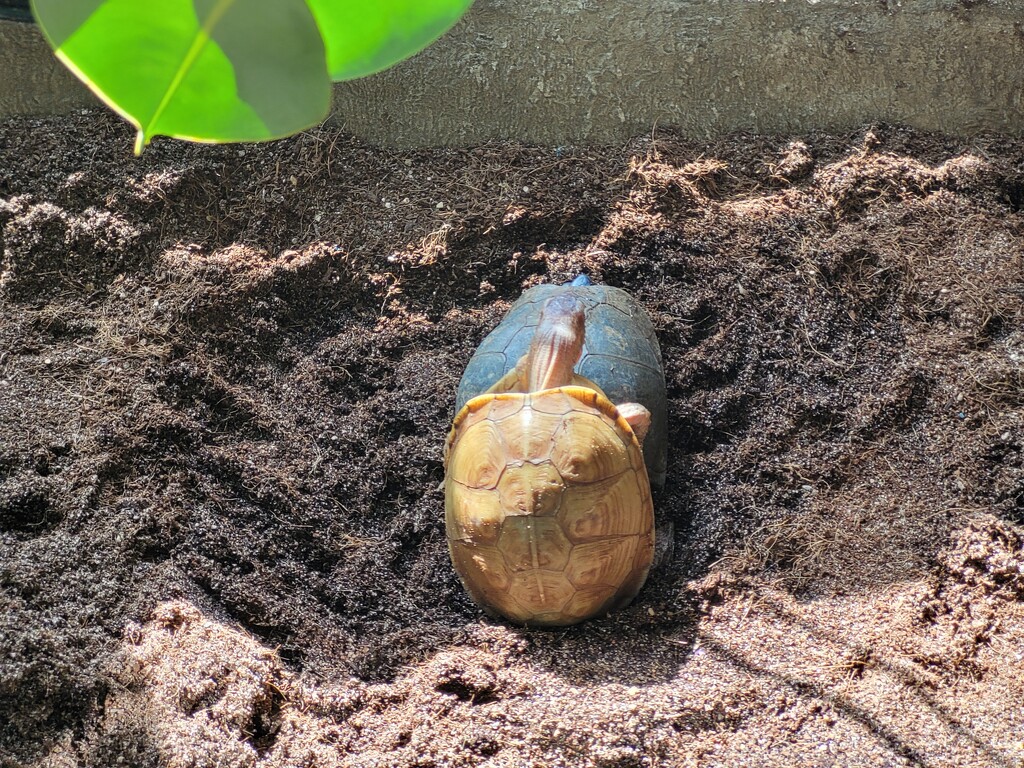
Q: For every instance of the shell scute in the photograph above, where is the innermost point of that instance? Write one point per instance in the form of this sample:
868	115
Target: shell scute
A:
481	457
588	449
530	489
483	570
472	515
588	602
532	543
540	592
602	509
555	402
603	563
528	433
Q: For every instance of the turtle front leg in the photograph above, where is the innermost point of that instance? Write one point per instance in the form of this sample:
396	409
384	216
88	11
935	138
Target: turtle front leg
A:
638	418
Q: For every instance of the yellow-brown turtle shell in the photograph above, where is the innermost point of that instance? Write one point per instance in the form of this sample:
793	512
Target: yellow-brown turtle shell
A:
547	505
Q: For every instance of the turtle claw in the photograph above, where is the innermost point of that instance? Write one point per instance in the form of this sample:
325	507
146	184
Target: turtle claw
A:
664	543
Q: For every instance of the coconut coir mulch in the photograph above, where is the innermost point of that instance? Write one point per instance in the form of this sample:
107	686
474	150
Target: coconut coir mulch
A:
226	374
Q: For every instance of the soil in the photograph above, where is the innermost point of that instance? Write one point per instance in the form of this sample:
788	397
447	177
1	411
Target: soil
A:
226	375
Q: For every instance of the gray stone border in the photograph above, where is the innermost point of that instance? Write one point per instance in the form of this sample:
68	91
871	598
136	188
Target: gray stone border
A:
571	71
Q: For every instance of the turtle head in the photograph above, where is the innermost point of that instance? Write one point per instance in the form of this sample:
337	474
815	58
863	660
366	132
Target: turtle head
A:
557	344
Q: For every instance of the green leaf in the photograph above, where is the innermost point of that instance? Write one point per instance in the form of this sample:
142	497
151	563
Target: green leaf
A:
363	38
233	70
206	70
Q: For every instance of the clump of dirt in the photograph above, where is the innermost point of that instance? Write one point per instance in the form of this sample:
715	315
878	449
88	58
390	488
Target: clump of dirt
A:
190	691
226	374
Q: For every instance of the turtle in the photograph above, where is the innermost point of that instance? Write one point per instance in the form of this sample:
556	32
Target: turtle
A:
548	504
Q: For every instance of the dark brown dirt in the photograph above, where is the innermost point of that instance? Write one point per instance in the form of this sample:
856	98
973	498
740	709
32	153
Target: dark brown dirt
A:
225	378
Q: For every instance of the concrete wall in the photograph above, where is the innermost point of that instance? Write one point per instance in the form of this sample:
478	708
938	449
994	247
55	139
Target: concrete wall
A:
566	71
32	81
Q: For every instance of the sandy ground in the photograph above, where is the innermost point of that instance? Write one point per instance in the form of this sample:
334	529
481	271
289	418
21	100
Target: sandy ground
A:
226	374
